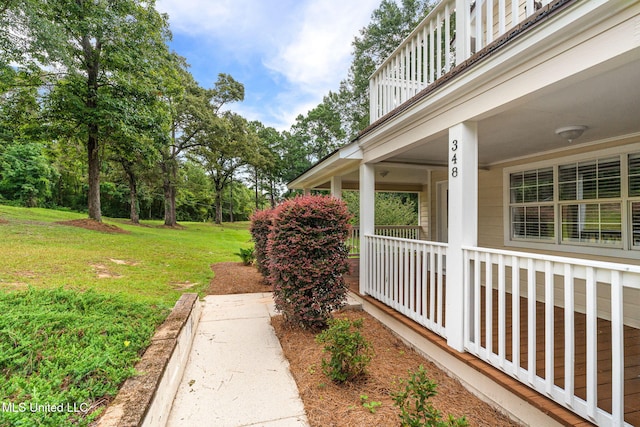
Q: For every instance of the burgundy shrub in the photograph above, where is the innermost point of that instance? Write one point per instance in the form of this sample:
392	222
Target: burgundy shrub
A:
308	258
260	227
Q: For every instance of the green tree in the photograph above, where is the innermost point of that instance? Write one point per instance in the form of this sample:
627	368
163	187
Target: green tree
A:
195	197
95	46
194	114
266	168
320	130
390	208
27	175
228	145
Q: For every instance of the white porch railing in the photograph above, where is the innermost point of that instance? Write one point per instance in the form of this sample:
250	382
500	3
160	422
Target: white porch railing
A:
401	231
408	275
569	339
443	39
561	290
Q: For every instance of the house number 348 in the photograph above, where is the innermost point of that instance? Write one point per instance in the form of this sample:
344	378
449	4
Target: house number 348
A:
454	158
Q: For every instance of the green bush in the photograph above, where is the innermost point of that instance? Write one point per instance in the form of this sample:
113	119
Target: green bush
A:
260	227
414	405
307	259
350	352
247	255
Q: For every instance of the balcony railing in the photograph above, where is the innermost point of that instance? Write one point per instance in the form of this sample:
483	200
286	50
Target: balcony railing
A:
443	39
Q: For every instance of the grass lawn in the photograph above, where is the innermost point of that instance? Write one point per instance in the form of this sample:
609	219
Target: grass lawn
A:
80	306
152	263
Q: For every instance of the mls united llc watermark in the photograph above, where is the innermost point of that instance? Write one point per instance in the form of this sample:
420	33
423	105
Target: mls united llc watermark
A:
43	407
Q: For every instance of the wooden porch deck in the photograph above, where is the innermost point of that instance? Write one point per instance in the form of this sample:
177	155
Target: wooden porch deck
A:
632	358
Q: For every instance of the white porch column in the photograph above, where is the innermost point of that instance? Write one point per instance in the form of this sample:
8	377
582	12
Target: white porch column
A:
367	216
336	187
307	191
463	223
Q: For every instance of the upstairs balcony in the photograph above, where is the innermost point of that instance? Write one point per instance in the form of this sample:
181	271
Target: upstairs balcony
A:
454	32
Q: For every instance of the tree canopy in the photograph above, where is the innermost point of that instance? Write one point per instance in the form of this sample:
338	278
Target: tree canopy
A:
97	114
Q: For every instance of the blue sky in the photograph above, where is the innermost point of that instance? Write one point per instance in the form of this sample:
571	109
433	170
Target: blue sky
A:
287	53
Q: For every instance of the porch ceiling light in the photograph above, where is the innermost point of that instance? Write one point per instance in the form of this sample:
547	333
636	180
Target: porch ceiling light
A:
571	132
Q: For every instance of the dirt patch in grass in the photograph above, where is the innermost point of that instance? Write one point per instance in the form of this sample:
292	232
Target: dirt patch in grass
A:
94	225
103	272
3	221
328	404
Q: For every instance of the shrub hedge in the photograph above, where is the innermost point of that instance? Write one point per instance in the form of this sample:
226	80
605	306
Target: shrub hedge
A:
307	258
260	227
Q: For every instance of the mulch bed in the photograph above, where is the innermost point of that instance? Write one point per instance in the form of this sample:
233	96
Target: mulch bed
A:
329	404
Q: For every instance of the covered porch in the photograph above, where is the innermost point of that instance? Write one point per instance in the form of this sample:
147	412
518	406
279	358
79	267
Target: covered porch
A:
526	265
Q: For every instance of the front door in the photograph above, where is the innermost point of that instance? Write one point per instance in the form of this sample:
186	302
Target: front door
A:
442	208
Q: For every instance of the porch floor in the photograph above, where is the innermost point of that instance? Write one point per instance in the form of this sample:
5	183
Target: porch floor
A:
563	415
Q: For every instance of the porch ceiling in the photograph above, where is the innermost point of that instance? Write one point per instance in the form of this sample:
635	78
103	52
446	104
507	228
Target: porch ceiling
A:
606	99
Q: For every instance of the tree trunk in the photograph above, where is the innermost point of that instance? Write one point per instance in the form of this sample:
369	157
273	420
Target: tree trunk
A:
133	193
93	198
256	182
92	58
272	194
218	202
168	185
231	200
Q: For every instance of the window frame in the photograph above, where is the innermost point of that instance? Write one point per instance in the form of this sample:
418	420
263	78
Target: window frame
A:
625	248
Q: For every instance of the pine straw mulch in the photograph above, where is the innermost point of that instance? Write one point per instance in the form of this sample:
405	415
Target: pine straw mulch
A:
328	404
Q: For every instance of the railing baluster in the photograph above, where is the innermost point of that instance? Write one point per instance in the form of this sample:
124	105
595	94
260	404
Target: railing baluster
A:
447	37
530	9
515	313
477	297
569	335
617	350
592	348
432	287
531	325
423	286
478	13
412	281
488	307
515	12
440	300
439	47
489	26
548	327
502	310
468	307
502	20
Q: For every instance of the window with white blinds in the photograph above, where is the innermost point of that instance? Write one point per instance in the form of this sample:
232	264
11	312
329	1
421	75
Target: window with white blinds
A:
634	196
532	210
592	202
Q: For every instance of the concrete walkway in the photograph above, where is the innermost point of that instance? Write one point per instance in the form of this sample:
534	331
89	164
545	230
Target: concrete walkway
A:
236	374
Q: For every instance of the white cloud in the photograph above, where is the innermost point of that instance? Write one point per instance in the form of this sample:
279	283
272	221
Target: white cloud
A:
304	46
317	56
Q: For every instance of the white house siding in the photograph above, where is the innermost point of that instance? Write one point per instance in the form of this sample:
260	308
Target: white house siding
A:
424	212
491	230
